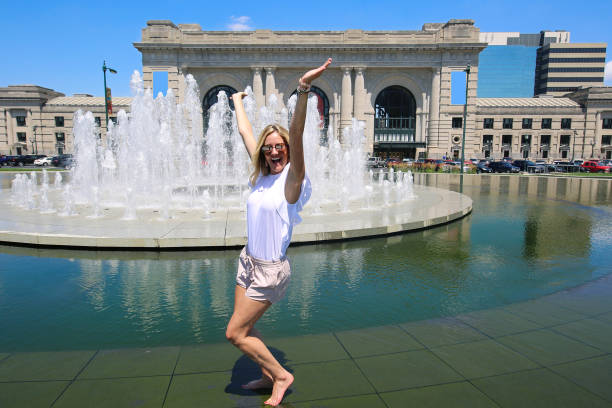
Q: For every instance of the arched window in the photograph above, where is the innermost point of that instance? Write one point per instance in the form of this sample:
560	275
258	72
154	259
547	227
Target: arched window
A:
395	108
211	98
322	105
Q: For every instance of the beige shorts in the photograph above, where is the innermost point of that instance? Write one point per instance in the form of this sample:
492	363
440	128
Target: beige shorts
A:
263	280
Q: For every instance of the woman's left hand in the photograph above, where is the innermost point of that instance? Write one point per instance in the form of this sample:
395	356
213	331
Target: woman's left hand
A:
313	74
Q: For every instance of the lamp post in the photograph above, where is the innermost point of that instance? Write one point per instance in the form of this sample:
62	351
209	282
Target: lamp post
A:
112	71
35	148
467	81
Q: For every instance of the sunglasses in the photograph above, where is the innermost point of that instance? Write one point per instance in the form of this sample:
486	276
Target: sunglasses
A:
268	148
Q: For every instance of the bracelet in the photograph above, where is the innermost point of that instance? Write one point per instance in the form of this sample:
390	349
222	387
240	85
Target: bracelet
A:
302	89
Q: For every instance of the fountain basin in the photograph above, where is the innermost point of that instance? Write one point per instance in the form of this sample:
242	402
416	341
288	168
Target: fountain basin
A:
222	228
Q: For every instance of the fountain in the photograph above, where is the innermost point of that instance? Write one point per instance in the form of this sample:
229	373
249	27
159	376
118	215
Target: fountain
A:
158	181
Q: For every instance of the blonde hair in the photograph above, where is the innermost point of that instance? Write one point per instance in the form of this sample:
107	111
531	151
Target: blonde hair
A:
259	160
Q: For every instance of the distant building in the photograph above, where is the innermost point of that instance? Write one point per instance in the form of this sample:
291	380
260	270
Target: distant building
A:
564	68
398	83
38	120
507	66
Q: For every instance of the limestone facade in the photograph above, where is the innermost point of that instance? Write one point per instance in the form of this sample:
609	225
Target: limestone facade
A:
365	63
37	120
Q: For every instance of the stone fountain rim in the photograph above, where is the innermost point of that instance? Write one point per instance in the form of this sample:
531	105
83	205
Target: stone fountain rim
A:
227	229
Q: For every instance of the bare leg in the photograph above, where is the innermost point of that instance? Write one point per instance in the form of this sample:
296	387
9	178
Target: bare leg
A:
266	378
246	313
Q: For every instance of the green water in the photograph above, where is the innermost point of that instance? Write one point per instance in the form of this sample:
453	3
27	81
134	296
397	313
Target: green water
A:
525	238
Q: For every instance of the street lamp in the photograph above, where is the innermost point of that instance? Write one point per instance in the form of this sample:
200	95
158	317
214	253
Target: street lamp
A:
467	81
35	148
112	71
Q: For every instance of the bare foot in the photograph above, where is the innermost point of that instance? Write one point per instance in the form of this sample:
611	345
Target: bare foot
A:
278	391
263	382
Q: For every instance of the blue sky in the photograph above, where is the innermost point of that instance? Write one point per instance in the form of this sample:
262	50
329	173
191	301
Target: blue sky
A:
62	44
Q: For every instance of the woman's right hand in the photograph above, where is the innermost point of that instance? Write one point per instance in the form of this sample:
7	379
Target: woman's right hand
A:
237	97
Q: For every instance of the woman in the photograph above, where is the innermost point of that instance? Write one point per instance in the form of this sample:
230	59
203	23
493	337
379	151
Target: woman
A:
280	189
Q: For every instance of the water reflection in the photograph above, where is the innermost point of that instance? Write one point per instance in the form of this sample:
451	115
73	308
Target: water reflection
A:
527	236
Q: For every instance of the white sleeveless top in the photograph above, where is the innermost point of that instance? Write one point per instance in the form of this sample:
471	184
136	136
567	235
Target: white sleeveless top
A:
270	218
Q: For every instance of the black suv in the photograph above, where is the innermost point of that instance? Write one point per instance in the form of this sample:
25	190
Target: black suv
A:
60	161
503	167
25	159
528	165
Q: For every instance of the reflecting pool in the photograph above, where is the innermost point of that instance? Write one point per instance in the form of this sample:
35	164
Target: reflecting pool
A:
527	236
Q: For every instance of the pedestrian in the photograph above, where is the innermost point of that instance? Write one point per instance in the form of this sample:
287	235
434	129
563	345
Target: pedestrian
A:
279	190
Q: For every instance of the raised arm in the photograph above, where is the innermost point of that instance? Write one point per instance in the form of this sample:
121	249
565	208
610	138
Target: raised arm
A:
297	170
244	126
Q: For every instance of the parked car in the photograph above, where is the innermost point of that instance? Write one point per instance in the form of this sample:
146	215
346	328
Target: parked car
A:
66	162
407	161
567	167
550	167
392	161
43	161
485	161
528	165
55	161
25	159
594	166
375	162
6	160
483	168
503	167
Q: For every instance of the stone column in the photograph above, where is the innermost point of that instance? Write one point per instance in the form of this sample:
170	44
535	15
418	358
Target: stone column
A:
597	134
270	85
346	104
434	107
258	90
360	94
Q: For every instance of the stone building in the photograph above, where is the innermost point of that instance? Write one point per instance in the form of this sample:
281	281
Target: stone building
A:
37	120
397	82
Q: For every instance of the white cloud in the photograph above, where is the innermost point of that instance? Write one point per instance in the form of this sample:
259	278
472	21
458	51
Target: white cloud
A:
240	23
608	74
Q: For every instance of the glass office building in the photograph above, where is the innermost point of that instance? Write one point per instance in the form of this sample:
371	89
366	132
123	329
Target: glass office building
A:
507	71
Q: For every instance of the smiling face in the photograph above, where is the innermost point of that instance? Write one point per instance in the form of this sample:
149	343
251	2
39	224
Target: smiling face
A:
276	159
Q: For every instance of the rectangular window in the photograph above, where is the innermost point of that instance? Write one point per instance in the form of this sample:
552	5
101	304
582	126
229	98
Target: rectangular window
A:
457	123
59	121
605	140
59	136
507	124
565	140
21	136
506	139
566	123
606	123
487	139
545	140
527	123
525	139
487	123
98	121
20	120
546	123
